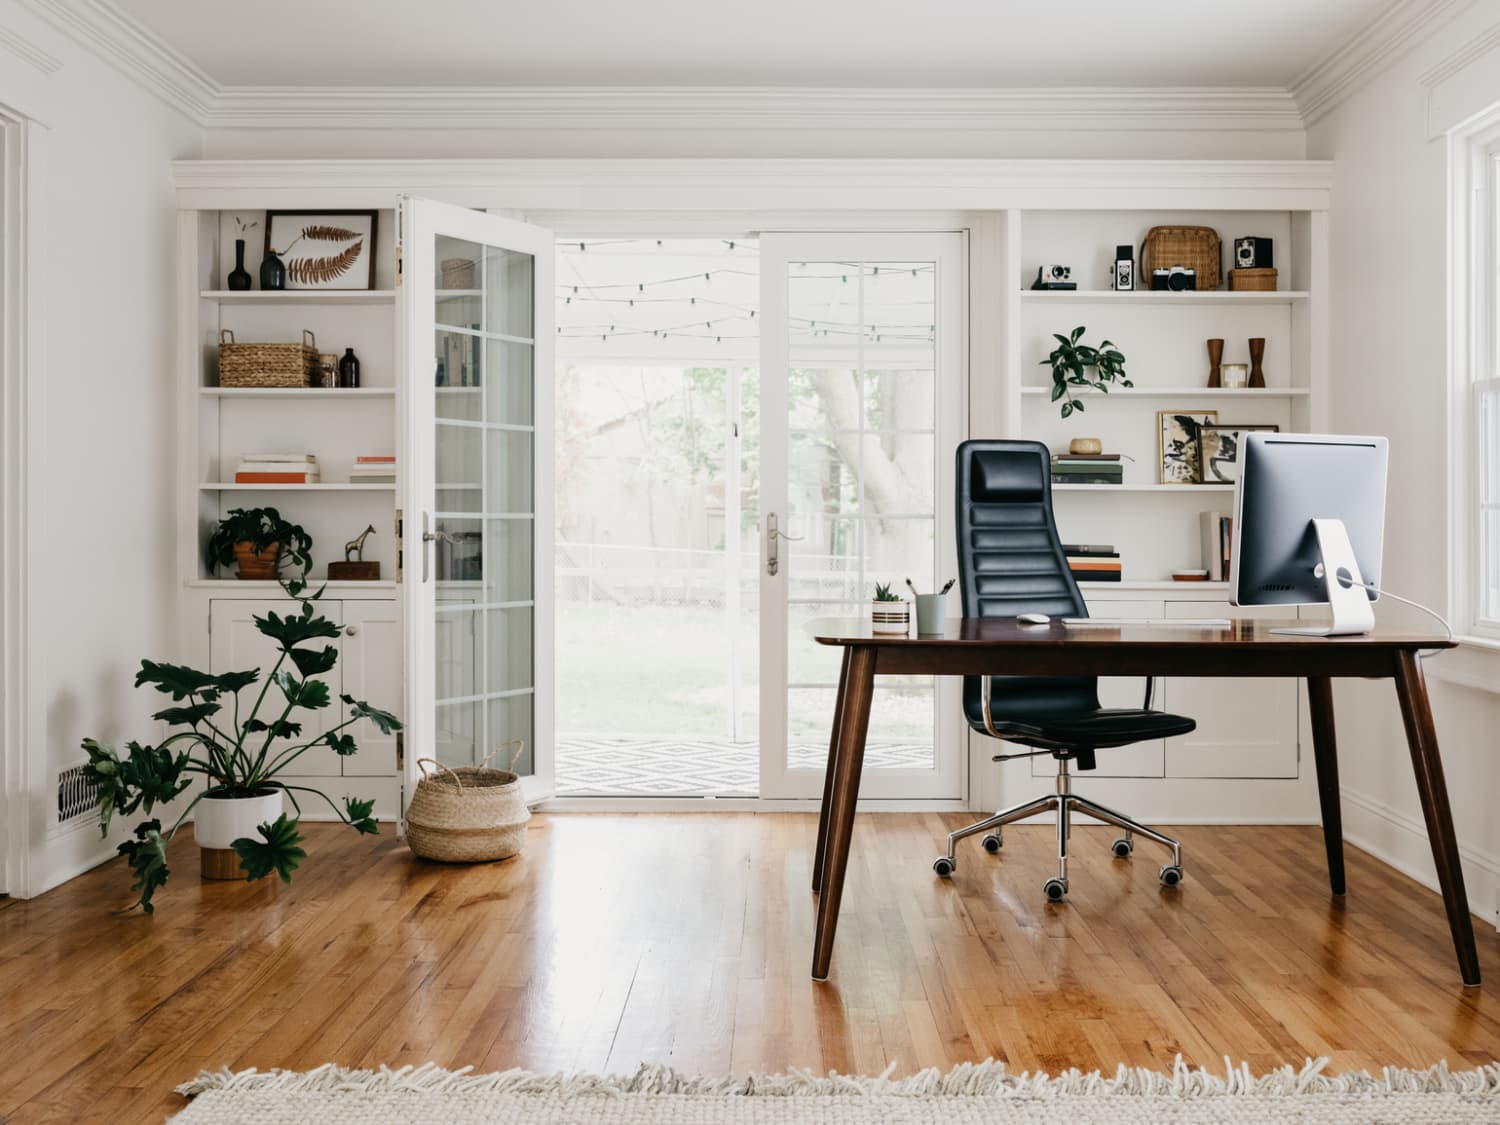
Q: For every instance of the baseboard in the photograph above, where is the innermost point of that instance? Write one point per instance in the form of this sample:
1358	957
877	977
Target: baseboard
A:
1393	837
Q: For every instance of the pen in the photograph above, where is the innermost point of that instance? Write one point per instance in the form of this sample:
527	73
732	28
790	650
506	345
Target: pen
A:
949	586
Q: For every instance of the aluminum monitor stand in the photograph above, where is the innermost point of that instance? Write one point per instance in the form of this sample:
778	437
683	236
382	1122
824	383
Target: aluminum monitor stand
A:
1346	593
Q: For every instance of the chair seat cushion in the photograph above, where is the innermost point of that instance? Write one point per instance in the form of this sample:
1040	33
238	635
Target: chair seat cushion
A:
1100	729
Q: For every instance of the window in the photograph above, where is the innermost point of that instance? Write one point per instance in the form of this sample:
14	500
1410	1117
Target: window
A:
1476	371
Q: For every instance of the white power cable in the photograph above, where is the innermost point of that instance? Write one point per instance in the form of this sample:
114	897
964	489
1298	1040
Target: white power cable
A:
1434	614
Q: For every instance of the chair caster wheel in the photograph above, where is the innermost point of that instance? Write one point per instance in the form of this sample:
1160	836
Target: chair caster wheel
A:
992	843
1055	889
1122	848
1170	875
943	866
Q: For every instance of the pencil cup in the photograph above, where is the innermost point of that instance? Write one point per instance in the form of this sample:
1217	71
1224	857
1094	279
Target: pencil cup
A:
930	613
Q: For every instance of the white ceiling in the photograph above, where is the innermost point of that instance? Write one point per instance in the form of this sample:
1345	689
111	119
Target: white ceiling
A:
832	43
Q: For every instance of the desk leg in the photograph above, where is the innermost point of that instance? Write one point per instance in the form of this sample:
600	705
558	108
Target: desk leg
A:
1421	739
849	761
828	771
1326	754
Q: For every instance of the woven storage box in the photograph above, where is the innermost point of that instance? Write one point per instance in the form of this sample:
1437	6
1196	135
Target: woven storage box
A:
1253	281
1196	248
470	814
267	365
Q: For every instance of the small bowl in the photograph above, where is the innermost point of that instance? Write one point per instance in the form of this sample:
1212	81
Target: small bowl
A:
1190	576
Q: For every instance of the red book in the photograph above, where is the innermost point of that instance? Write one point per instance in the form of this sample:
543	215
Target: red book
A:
275	478
375	460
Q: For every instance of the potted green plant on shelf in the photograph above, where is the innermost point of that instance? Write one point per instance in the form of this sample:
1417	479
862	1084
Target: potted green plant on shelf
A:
240	753
260	543
1072	363
889	612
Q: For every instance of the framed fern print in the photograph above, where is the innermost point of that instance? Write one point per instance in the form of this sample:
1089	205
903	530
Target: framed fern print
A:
324	249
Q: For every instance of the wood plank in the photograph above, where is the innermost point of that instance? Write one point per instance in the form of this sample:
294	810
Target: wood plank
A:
684	940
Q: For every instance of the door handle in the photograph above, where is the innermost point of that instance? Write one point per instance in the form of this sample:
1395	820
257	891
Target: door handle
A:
773	533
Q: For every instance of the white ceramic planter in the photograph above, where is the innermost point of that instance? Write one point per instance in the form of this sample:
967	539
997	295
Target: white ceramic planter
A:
890	617
221	821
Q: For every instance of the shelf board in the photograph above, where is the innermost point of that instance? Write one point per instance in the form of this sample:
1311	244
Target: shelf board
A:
1187	488
1150	587
1174	392
257	584
458	390
459	293
300	296
1148	296
297	392
343	486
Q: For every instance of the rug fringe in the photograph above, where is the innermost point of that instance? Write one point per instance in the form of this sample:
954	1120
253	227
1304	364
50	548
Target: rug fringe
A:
967	1079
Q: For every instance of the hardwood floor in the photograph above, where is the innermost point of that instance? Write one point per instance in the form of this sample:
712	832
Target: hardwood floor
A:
618	939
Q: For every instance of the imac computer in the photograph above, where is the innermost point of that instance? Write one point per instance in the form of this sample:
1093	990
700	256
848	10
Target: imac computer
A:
1309	518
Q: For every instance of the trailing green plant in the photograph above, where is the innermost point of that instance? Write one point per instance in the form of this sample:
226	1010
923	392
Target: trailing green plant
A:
883	593
260	527
1071	362
235	750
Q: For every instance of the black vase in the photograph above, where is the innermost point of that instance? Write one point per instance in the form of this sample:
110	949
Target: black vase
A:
272	272
239	277
349	369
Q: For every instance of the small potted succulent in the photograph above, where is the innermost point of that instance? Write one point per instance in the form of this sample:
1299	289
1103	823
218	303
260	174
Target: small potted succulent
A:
260	543
1071	363
237	735
889	612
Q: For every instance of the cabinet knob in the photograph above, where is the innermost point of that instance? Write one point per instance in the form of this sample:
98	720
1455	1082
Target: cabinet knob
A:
352	630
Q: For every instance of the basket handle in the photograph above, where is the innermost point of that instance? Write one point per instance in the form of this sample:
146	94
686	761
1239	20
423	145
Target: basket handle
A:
456	779
309	340
518	743
223	333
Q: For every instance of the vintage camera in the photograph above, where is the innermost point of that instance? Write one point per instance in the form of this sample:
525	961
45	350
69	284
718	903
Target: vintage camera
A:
1177	278
1054	277
1122	274
1253	254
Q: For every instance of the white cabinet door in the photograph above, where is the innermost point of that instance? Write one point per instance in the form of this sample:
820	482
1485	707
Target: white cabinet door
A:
371	664
235	644
1143	759
1246	727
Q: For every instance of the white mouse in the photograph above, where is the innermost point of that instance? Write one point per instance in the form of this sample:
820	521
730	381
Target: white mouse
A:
1033	618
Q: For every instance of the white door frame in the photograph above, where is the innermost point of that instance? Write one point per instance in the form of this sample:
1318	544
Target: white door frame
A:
422	220
947	779
23	748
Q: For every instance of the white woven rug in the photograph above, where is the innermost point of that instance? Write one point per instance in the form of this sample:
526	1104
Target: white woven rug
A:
971	1094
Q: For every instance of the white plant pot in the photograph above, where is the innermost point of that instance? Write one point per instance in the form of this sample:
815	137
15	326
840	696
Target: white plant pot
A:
220	821
890	617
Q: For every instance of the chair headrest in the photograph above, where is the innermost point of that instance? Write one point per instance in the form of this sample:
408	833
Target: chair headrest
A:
1007	476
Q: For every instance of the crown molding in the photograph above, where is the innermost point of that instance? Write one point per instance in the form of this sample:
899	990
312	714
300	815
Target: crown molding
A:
24	49
1399	28
1452	64
138	53
646	108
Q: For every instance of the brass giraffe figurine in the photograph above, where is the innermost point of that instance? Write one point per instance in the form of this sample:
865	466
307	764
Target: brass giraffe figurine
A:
354	550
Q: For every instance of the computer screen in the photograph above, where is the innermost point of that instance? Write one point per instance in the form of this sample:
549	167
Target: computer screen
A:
1286	481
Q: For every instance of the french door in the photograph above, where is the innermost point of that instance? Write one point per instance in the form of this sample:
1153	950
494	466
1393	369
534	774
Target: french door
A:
476	359
862	408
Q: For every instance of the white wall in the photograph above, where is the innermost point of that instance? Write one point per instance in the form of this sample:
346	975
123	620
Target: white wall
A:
102	452
1389	339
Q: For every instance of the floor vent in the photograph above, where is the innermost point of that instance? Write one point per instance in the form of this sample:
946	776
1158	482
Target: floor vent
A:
76	795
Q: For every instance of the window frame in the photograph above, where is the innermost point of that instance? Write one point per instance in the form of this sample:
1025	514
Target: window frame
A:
1474	362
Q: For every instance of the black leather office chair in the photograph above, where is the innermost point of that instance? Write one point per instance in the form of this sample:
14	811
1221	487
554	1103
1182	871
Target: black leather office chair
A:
1011	562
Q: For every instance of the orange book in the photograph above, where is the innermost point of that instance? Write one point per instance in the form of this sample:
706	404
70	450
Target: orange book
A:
275	478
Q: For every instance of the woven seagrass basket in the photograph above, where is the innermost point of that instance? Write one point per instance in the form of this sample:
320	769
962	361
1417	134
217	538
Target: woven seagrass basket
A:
1196	248
1253	281
267	365
470	814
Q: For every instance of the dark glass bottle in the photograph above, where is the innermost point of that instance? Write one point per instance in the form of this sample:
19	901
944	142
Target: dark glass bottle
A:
239	277
272	271
348	369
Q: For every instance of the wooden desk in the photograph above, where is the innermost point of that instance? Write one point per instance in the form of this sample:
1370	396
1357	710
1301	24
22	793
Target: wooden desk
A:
999	646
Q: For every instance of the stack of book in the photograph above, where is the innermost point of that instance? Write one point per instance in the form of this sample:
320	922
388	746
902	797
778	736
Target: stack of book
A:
277	468
373	469
1091	562
1087	468
1215	534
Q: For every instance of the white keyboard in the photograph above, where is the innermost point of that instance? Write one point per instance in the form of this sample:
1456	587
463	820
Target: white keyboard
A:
1116	622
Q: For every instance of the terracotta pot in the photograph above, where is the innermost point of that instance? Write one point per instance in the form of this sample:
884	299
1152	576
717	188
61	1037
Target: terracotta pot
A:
220	821
256	566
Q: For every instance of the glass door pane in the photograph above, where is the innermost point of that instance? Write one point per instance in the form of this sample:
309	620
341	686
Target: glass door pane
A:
475	505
